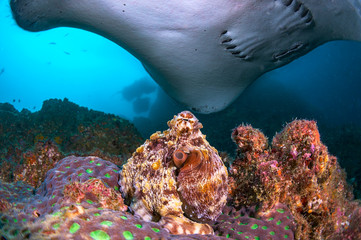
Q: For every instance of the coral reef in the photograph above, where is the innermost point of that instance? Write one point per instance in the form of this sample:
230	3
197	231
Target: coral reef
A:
249	223
32	143
174	173
76	222
252	150
37	162
297	171
353	231
89	181
79	199
14	195
177	185
75	186
341	134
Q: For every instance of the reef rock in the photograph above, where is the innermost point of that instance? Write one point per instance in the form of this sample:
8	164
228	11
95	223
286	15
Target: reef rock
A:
176	176
296	170
32	143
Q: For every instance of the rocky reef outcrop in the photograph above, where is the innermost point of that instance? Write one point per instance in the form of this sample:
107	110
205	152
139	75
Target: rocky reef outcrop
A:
32	143
176	186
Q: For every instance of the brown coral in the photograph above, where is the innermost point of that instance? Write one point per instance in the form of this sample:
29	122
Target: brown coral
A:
246	186
174	173
298	171
37	162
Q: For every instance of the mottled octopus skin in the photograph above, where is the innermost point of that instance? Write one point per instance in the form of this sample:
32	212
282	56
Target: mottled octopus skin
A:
179	197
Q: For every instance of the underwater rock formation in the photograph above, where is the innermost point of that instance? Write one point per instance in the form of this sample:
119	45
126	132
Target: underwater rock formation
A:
296	170
252	150
174	173
37	162
31	143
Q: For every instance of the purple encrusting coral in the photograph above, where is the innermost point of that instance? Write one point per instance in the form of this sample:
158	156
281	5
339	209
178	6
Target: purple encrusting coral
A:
248	223
292	189
79	199
59	182
14	193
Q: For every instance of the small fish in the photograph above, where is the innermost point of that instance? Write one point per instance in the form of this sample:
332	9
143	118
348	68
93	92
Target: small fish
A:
52	43
18	100
2	71
67	53
14	100
34	108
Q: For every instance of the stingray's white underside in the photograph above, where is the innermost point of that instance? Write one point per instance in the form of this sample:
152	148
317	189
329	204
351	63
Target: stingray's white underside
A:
203	53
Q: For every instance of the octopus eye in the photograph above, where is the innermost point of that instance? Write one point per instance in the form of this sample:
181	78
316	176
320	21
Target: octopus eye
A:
179	157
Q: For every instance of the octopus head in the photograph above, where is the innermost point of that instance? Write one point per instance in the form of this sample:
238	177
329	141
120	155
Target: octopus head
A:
185	122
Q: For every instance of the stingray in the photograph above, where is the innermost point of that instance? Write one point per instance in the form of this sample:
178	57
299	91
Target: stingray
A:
203	53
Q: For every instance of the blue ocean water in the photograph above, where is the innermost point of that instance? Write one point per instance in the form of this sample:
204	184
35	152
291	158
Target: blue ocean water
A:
65	62
94	72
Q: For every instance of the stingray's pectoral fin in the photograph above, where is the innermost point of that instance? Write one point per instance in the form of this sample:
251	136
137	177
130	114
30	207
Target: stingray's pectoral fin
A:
283	18
337	19
293	15
182	225
356	33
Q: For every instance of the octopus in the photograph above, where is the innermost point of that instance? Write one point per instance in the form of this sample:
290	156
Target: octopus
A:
176	178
